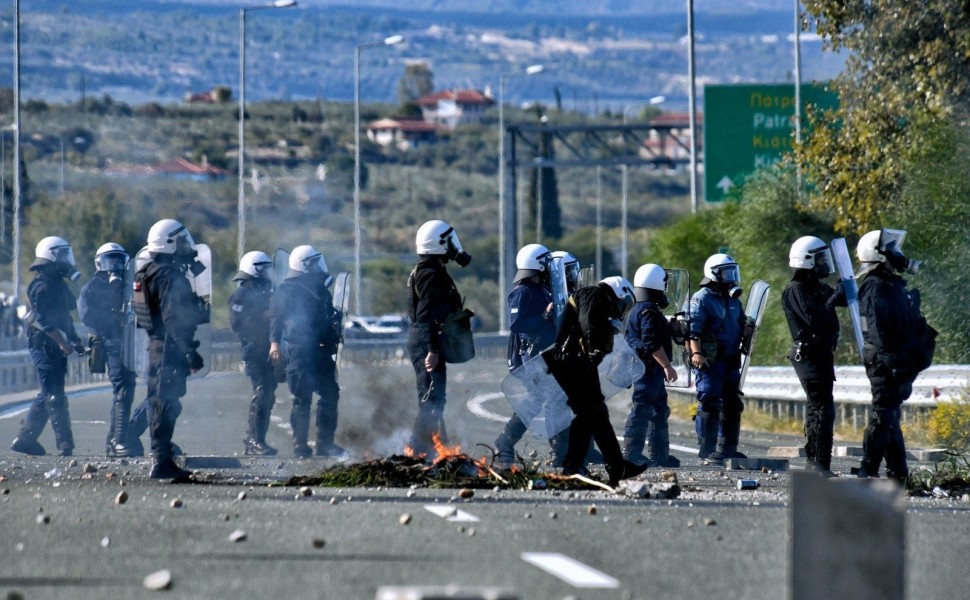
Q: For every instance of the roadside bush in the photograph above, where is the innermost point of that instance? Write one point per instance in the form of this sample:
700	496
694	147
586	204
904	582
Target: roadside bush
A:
949	424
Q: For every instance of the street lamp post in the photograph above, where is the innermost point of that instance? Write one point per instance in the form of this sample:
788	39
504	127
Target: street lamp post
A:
623	186
506	214
241	207
388	41
16	155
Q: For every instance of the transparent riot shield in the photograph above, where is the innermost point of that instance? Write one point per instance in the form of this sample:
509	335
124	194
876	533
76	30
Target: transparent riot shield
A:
754	311
560	287
140	344
587	276
341	303
202	286
678	315
281	266
535	396
129	325
620	369
844	266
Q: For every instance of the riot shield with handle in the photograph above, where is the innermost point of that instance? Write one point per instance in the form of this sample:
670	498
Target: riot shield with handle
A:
678	315
202	286
843	265
559	286
754	311
587	277
341	304
281	266
128	322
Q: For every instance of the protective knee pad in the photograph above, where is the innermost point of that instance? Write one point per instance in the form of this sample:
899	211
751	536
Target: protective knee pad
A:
56	403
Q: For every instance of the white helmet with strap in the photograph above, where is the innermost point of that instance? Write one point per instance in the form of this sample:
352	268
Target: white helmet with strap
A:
53	249
254	265
531	260
811	253
306	259
164	236
110	257
722	268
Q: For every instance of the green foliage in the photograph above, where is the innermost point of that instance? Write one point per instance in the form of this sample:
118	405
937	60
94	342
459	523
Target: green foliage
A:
416	82
909	69
949	425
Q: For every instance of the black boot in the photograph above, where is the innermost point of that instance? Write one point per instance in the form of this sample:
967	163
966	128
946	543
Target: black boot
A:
624	470
119	445
167	469
27	446
60	419
731	427
709	425
254	444
633	447
300	422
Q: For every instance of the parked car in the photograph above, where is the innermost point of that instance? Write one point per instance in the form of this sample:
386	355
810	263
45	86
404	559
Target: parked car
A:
359	327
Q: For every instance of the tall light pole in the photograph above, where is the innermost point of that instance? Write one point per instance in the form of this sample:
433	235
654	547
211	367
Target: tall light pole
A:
506	214
623	185
692	105
388	41
241	204
16	155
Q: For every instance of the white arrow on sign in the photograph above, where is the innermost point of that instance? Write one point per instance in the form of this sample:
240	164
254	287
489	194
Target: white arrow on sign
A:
725	184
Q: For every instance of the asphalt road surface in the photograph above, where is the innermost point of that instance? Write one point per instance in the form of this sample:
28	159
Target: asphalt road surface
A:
63	535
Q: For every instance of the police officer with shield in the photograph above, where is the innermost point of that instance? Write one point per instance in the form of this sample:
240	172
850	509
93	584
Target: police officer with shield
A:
532	330
649	334
249	318
809	305
716	325
52	338
101	306
304	330
169	311
898	344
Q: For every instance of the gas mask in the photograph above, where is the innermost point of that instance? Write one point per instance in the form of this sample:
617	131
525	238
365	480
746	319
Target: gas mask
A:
899	262
68	271
660	299
456	253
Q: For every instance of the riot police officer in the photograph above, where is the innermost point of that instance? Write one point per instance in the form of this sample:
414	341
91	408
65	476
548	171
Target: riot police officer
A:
433	296
169	310
532	329
592	318
101	306
249	318
52	339
809	305
897	345
716	326
648	333
303	328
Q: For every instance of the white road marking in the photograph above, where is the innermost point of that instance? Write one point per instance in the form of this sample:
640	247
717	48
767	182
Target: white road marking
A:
476	408
450	513
570	570
684	449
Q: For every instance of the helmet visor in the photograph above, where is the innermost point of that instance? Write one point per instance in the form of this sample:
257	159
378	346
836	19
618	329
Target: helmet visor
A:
824	264
63	254
730	273
313	263
112	261
262	269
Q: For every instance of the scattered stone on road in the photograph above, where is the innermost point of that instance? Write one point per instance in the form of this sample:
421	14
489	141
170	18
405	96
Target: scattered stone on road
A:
237	536
405	519
121	498
159	580
176	503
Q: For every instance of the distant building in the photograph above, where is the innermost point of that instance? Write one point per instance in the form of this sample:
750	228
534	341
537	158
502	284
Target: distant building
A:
673	138
451	108
402	133
200	97
178	168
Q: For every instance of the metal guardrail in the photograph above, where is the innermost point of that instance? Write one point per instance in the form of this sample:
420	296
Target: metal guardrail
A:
775	390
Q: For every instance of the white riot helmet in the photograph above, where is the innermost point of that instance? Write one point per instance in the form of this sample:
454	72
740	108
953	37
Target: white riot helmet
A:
530	261
306	259
811	253
142	258
722	268
623	290
110	257
650	277
168	236
439	238
53	249
571	263
254	265
885	246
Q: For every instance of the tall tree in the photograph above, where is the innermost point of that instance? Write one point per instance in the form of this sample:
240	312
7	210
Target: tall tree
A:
417	82
908	69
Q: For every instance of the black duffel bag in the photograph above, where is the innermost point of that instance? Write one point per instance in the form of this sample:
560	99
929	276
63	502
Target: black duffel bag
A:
457	344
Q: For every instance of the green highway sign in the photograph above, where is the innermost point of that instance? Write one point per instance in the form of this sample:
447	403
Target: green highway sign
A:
749	126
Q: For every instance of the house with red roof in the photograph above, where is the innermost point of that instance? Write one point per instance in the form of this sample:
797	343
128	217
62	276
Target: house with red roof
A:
402	133
451	108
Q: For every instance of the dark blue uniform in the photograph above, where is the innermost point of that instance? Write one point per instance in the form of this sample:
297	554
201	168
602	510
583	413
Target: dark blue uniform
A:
51	303
303	320
101	306
173	312
433	296
532	330
648	331
249	318
717	320
891	320
809	306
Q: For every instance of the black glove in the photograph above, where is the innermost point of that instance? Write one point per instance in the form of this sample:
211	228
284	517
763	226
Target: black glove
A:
195	360
79	347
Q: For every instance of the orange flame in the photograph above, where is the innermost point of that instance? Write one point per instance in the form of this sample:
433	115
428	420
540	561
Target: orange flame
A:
443	450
